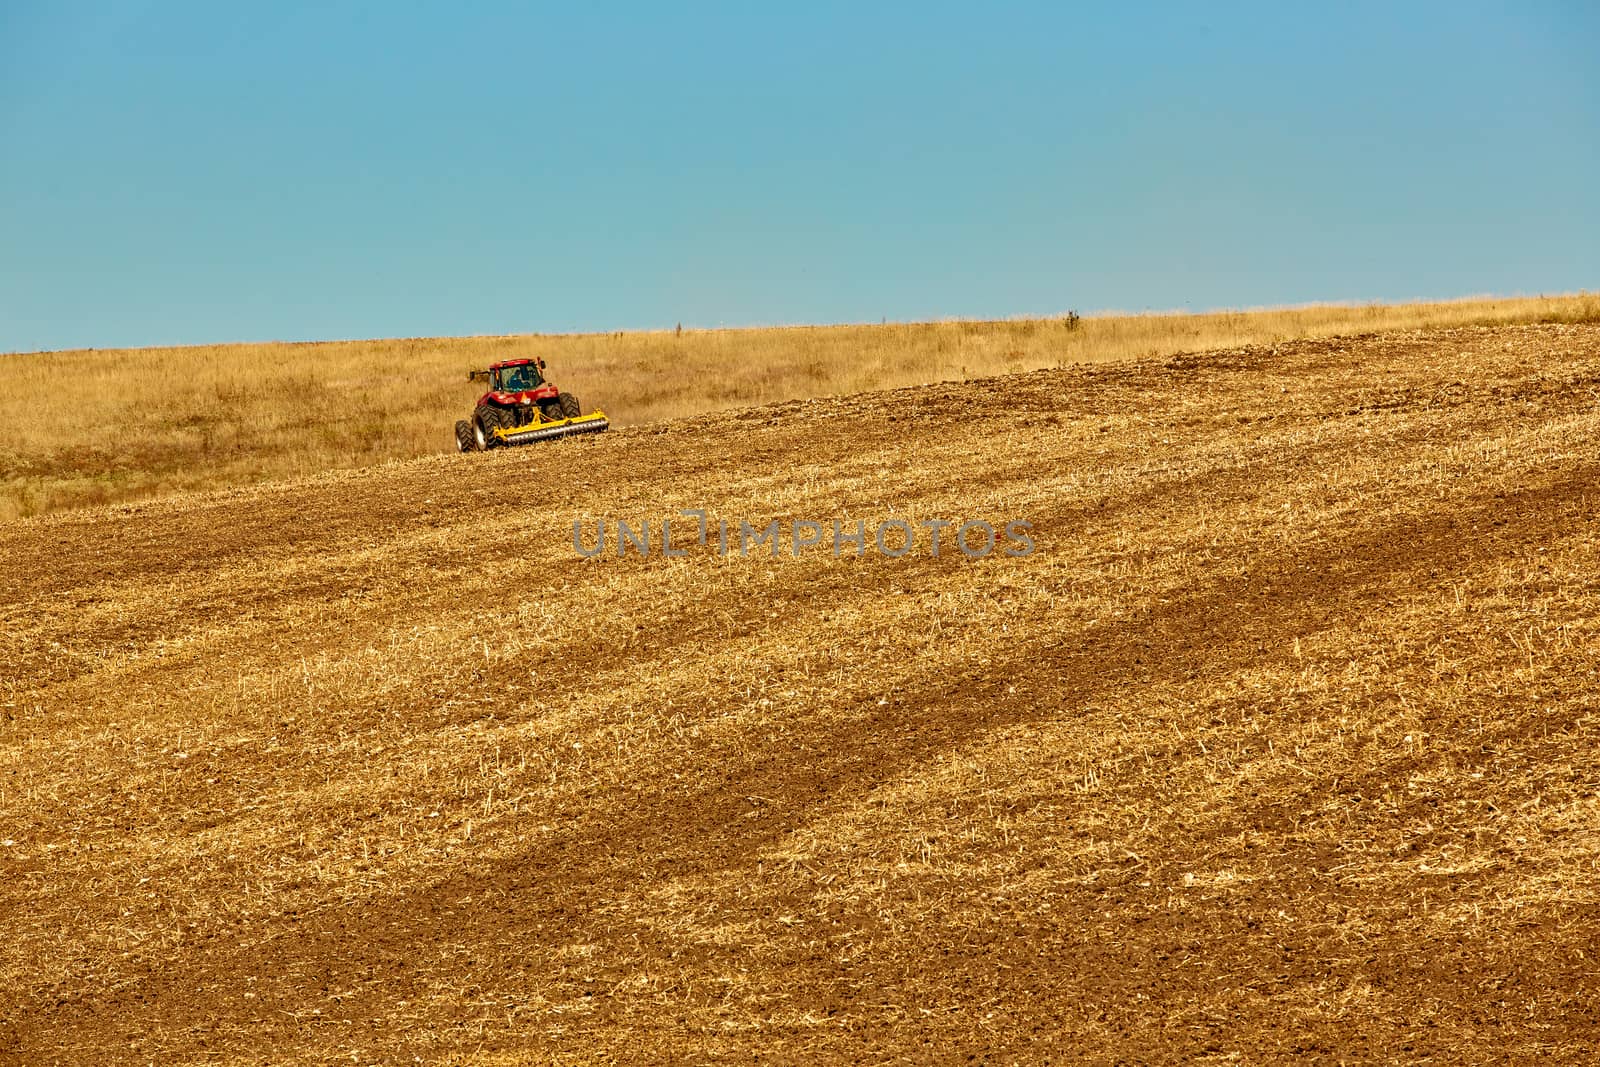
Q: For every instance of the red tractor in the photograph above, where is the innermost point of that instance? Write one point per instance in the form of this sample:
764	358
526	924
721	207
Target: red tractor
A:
520	407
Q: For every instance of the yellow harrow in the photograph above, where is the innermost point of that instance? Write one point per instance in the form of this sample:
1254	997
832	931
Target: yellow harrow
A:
594	422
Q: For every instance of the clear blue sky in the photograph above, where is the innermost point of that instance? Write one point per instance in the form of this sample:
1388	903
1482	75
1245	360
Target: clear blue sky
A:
192	172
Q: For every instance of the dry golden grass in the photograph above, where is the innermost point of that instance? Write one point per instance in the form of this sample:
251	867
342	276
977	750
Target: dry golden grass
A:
1279	748
103	426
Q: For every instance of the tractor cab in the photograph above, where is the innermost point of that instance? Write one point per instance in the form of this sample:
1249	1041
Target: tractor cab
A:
516	378
515	381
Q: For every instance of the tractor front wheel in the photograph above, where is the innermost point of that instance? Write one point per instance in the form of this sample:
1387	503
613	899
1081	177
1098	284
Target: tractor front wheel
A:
485	422
570	408
466	440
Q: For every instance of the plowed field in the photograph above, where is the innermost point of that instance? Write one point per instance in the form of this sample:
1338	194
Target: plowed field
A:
1281	745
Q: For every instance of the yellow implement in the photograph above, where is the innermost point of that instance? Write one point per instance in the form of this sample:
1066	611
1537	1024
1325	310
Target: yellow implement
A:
549	429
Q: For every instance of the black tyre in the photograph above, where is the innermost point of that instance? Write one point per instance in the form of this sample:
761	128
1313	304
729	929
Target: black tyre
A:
485	421
570	408
466	440
551	410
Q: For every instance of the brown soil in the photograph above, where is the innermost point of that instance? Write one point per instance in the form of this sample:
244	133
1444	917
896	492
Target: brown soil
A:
1279	747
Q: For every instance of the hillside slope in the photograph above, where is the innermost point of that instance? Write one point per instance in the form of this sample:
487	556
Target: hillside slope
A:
117	426
1279	745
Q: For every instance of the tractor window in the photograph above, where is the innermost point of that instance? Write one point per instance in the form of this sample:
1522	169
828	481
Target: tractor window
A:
517	379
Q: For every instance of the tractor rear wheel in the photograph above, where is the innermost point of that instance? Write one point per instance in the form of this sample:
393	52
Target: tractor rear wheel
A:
551	410
466	441
570	408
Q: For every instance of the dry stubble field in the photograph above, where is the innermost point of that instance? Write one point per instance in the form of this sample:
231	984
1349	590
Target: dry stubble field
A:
111	426
1280	747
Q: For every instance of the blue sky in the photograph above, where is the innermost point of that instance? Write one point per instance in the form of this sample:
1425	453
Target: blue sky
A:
196	172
